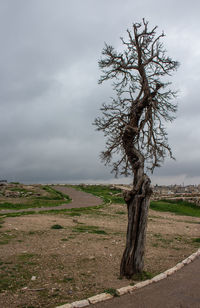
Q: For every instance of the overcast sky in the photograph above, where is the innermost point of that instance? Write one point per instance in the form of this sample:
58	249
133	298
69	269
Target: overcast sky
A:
49	92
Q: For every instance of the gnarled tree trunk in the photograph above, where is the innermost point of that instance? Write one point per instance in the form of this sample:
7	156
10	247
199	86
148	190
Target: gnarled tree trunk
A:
137	204
137	201
132	124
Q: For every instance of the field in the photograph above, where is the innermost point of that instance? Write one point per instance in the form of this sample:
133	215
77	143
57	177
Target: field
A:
55	257
17	196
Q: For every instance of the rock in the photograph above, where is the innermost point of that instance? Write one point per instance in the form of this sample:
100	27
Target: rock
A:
187	261
33	278
79	304
29	193
179	266
99	298
170	271
12	194
159	277
141	285
118	195
65	306
91	258
124	290
3	183
193	256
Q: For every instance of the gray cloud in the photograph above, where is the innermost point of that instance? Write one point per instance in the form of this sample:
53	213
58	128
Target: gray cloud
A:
49	94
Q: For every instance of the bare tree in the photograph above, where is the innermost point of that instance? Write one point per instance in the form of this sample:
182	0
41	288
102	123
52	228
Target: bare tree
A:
133	124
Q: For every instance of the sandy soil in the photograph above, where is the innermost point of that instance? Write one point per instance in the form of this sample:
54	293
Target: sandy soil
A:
45	267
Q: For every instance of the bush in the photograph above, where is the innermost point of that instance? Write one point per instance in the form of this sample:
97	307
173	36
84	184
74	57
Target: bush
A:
56	227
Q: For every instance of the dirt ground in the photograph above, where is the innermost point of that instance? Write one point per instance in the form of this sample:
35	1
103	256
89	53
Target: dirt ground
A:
45	267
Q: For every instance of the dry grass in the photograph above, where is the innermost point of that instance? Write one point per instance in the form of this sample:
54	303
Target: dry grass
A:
82	258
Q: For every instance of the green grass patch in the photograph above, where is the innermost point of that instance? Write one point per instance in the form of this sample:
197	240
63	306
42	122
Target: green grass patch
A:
68	279
31	203
19	189
192	222
107	193
162	240
196	240
25	257
55	194
155	245
157	235
177	207
74	214
88	229
56	226
120	213
54	198
4	282
17	214
142	276
69	212
5	238
17	275
112	291
76	211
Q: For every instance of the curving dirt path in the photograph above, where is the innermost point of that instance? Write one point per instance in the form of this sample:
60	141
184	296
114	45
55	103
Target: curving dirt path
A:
79	199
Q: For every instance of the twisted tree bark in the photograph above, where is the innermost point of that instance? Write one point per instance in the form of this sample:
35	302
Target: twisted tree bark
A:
137	204
137	201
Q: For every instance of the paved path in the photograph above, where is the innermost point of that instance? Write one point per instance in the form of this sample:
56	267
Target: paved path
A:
180	290
79	199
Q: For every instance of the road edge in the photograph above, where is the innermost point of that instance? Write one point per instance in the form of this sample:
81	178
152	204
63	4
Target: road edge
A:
130	289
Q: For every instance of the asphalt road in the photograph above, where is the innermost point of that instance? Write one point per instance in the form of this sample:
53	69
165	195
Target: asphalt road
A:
180	290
